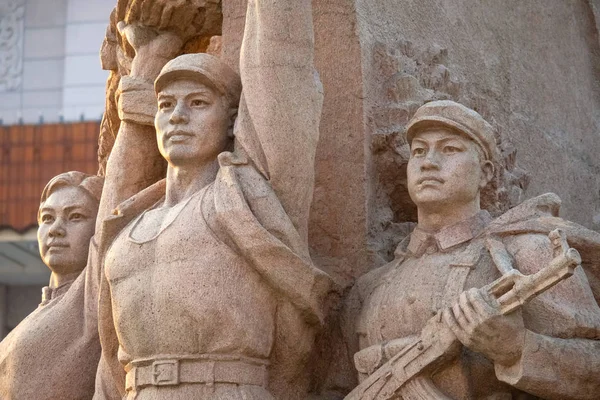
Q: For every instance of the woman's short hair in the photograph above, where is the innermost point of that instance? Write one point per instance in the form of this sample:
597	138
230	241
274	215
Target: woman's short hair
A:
90	184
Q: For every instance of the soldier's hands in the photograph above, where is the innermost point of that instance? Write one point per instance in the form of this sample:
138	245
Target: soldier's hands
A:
151	49
477	322
369	359
147	41
395	346
153	32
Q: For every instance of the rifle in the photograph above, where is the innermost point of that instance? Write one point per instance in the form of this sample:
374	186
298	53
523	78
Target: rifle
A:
406	374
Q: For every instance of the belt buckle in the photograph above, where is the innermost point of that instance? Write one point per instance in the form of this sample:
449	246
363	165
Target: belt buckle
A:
165	372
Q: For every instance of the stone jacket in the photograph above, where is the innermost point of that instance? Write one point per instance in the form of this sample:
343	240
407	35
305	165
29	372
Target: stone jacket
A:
250	220
53	353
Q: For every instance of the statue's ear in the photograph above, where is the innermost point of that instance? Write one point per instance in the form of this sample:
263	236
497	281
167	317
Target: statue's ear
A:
233	112
487	169
232	115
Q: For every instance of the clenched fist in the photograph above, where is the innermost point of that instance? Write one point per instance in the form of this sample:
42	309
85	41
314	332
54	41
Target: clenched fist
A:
186	18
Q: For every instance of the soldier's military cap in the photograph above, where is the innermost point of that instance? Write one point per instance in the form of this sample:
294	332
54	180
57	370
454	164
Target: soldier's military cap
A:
206	68
458	118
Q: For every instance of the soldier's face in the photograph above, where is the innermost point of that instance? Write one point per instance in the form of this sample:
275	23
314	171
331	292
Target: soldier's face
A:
66	224
191	123
444	169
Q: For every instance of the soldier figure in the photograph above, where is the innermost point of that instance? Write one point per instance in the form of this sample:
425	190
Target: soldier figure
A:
549	349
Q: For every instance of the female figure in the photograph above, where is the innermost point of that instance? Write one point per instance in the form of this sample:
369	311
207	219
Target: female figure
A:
45	356
66	218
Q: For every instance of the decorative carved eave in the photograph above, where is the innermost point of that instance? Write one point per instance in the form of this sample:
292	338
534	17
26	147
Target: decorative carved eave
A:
11	44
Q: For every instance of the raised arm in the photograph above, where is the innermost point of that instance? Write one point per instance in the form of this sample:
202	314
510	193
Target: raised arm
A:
152	32
282	100
134	162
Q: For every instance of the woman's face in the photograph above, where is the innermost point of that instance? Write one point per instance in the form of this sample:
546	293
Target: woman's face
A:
66	224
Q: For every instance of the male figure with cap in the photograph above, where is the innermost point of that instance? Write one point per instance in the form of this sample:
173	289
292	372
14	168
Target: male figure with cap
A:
548	351
207	287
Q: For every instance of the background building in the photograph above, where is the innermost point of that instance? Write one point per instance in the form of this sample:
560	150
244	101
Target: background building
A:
51	103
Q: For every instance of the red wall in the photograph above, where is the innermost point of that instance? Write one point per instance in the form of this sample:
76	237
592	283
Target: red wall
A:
30	155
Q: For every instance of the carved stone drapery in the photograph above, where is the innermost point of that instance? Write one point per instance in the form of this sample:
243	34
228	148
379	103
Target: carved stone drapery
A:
11	44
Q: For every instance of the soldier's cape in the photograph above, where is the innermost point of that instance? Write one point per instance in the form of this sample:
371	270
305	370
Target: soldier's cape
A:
540	215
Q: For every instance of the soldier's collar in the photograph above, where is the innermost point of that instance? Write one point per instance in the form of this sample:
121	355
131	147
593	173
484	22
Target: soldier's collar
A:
126	211
421	241
49	293
142	200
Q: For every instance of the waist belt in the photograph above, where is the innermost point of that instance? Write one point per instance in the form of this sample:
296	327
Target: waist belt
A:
173	371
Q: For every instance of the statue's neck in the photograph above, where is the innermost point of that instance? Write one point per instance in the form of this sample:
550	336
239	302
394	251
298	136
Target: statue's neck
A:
184	181
433	219
57	280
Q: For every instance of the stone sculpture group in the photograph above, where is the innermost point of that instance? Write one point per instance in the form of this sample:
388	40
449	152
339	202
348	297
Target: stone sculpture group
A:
201	285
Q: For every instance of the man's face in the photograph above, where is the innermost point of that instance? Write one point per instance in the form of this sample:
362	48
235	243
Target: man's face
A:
67	220
191	123
444	169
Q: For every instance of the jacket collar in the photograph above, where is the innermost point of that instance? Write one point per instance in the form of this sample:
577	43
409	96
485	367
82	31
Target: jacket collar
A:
421	241
49	293
128	210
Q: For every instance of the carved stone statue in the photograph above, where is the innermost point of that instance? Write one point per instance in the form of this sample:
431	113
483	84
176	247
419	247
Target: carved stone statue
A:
46	356
457	280
207	287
